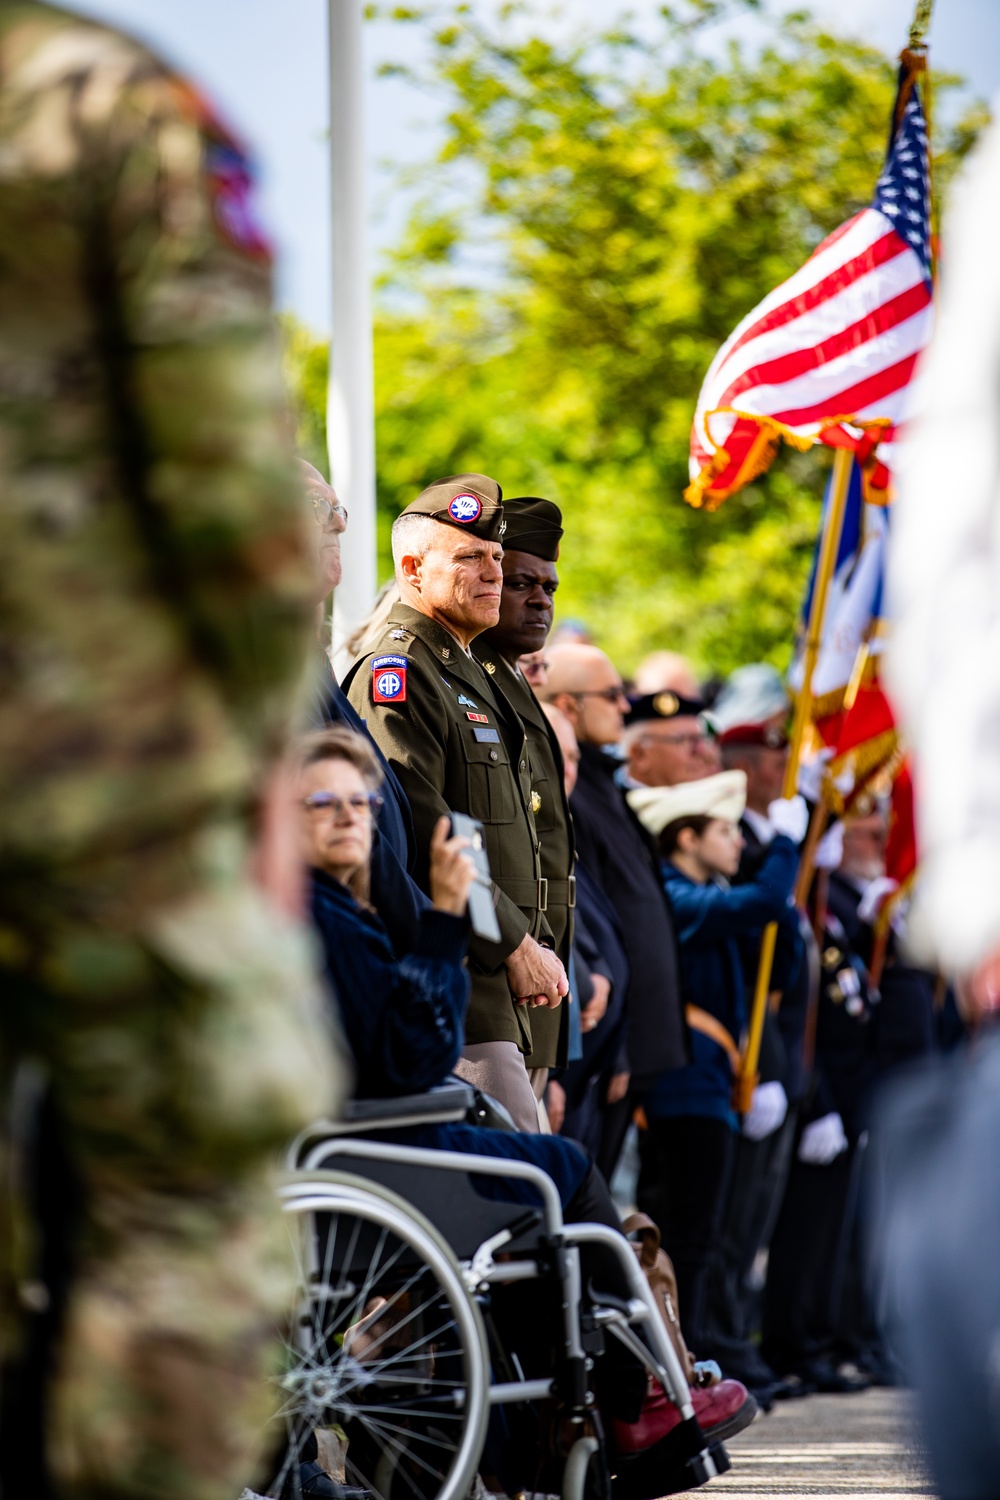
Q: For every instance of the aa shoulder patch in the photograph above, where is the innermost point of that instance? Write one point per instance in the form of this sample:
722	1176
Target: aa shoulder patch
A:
389	679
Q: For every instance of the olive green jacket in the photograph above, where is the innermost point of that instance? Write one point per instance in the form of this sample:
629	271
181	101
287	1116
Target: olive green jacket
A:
457	746
554	826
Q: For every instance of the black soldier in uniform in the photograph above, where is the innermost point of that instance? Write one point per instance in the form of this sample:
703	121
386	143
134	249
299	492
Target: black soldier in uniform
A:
456	744
531	546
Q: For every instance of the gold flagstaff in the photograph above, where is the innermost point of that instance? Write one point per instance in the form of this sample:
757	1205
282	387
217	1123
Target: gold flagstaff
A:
747	1080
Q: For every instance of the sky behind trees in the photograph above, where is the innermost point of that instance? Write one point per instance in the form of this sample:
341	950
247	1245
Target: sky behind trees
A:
264	63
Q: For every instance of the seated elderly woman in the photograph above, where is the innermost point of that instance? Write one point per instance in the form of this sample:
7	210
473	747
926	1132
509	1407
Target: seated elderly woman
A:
403	1013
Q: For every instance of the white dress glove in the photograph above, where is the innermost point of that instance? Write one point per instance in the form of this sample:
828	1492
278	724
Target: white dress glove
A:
871	902
811	773
823	1141
790	816
830	849
767	1111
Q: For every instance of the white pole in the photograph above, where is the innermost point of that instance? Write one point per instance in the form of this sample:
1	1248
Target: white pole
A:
350	409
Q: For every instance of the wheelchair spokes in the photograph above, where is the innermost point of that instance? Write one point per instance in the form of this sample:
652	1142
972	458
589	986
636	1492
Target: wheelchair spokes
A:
383	1379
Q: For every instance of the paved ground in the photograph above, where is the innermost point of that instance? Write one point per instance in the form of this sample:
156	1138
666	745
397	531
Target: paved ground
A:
835	1446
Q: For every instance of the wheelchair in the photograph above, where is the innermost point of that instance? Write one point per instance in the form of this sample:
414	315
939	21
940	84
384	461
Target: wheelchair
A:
405	1373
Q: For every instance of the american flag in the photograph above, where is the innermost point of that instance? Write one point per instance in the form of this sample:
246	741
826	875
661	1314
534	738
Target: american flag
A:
829	356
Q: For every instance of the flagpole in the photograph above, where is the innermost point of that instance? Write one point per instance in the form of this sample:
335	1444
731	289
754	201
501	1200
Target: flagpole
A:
830	543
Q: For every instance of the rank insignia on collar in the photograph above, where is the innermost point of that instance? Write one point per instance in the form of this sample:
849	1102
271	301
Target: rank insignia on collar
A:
477	718
446	653
536	802
389	679
489	666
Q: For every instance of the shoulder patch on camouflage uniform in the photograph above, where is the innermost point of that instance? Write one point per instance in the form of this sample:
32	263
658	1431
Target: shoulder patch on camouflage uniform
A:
232	178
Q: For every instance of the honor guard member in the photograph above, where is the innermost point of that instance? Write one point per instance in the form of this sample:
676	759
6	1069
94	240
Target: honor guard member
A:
457	746
530	549
155	596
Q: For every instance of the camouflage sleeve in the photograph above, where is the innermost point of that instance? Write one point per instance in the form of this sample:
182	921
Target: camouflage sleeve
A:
184	280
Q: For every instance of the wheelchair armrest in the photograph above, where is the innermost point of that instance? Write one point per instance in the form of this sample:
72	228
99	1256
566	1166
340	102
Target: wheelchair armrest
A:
448	1101
446	1104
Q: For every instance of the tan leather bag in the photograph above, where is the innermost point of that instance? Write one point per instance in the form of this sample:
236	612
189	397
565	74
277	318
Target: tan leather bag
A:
659	1272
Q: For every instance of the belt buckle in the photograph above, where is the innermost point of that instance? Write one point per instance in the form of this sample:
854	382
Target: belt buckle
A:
543	893
571	902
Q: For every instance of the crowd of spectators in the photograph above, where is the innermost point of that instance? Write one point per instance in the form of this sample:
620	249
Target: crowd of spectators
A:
681	848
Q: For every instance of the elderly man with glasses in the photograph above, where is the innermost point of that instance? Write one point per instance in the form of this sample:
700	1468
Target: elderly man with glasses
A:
614	847
396	894
666	742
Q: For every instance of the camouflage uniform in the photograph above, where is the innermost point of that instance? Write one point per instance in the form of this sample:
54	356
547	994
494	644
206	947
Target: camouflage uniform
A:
154	593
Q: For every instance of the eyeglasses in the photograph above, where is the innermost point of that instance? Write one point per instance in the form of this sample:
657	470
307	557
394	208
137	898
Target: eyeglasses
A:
609	694
326	510
361	805
678	739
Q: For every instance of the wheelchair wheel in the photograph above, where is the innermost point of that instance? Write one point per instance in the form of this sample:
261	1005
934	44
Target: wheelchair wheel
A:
385	1374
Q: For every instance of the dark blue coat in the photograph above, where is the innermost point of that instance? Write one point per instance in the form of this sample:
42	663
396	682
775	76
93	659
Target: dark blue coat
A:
598	942
709	922
404	1020
394	891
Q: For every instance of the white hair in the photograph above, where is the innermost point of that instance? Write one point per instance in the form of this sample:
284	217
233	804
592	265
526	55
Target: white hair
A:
413	535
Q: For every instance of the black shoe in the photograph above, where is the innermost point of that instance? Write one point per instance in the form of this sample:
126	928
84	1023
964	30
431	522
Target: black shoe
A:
825	1377
791	1387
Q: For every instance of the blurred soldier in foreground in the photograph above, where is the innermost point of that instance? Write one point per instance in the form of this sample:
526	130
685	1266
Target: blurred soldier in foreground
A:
936	1146
154	597
444	724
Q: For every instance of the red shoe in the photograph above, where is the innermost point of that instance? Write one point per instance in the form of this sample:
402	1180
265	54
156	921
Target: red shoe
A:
722	1410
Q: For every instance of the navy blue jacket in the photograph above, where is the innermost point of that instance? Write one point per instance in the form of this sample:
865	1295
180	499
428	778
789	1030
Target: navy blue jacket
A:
599	944
394	892
404	1021
709	921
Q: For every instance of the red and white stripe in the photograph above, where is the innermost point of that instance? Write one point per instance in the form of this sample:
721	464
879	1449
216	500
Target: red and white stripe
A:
838	340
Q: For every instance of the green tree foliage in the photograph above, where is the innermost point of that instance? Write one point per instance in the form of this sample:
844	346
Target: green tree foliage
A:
633	196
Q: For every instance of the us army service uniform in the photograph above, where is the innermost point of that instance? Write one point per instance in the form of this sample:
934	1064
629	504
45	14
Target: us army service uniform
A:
457	746
155	595
554	826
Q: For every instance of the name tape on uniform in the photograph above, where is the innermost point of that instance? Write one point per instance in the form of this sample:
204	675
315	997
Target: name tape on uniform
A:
487	736
389	679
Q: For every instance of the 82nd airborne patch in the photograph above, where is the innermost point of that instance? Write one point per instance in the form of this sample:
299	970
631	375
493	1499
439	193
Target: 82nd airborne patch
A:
389	679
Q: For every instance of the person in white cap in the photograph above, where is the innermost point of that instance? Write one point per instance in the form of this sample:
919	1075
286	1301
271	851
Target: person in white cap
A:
689	1110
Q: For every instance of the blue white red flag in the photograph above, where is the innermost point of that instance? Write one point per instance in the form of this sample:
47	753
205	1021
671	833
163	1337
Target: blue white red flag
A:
829	356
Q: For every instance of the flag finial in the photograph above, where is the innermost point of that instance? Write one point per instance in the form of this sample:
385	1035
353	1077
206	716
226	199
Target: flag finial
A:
921	22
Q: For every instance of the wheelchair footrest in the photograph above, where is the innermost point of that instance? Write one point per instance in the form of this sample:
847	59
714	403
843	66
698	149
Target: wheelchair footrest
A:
679	1461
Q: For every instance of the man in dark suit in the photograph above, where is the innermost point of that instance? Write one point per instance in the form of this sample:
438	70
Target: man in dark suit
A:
615	848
